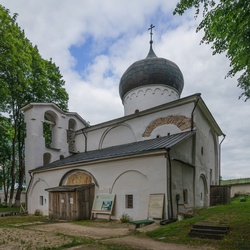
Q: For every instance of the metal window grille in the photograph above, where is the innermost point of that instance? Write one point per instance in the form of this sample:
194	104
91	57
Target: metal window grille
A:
129	201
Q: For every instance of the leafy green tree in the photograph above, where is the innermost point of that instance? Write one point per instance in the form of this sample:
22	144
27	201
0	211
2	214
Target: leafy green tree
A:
24	77
226	24
5	154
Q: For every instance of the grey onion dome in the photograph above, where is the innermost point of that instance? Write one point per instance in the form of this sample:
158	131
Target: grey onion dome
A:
151	71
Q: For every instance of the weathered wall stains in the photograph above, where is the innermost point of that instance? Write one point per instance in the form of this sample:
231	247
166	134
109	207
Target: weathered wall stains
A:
79	178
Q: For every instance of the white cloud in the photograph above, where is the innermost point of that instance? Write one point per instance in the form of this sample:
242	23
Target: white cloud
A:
118	31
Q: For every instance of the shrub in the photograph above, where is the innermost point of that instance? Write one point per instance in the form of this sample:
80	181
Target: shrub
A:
125	218
38	212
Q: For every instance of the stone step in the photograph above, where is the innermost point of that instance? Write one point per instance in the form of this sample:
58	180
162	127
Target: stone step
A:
208	231
206	236
211	226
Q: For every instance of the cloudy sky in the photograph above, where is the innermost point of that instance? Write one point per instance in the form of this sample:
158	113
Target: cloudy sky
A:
93	42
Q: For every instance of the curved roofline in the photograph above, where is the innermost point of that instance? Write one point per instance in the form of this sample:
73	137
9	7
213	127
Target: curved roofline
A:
151	70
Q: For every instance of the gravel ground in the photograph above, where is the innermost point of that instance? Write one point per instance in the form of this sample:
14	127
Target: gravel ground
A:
53	235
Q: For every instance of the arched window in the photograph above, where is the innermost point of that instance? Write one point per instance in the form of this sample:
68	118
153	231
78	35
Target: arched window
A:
49	126
71	135
46	158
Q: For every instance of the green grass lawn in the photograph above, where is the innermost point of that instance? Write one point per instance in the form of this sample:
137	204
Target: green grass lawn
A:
9	209
236	215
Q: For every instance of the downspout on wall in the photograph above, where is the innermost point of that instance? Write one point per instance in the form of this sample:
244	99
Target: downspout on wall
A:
169	182
194	149
224	136
192	113
194	164
86	140
28	188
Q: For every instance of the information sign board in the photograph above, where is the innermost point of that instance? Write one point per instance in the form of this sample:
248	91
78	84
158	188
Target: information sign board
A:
155	206
103	203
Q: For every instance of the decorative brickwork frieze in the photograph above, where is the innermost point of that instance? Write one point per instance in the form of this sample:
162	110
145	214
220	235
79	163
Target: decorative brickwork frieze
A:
181	121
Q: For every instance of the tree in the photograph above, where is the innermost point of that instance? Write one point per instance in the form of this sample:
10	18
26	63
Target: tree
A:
5	154
226	24
24	77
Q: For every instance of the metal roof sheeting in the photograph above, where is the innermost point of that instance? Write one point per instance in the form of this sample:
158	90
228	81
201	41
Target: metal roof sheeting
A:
145	146
72	188
235	181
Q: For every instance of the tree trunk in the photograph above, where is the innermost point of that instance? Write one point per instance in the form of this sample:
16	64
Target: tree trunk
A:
12	189
18	196
13	165
6	184
21	164
20	185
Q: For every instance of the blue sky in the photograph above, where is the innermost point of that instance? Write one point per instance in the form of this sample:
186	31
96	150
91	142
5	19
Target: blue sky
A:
94	42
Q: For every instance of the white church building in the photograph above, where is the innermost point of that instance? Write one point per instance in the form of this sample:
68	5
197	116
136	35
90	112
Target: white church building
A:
156	161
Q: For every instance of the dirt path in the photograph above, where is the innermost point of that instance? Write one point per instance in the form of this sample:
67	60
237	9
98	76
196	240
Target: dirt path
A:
53	235
117	236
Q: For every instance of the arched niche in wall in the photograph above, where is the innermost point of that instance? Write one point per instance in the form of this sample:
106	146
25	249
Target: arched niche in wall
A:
40	201
49	129
213	158
132	191
46	158
71	135
77	177
203	188
117	135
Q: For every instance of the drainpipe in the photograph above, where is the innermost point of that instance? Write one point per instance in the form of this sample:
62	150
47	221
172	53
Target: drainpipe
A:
169	181
85	140
28	188
193	148
224	136
194	169
192	114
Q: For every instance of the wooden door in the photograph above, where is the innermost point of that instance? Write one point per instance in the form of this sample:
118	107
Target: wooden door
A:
85	202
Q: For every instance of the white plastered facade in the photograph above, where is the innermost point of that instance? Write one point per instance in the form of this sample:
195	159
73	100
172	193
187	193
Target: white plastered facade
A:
185	170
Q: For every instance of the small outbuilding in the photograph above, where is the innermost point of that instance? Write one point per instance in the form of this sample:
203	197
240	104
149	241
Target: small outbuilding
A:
71	202
238	186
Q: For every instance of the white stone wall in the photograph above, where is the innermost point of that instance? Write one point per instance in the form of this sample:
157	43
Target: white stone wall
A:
147	97
35	143
195	161
133	129
139	176
240	189
23	196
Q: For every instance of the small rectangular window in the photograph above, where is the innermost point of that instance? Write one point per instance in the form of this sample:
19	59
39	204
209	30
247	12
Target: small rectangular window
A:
185	196
129	201
41	200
